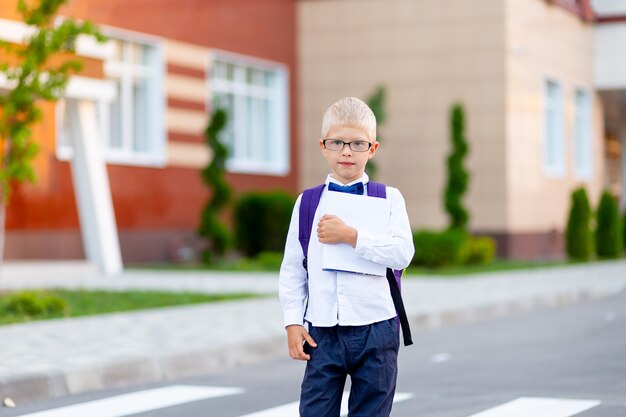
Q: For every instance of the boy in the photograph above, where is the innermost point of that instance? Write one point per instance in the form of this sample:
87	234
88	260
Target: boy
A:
351	317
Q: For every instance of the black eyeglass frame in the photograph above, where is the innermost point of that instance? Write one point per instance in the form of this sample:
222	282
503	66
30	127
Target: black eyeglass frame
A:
344	143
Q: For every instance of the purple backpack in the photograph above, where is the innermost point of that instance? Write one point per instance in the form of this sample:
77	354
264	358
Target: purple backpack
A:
308	204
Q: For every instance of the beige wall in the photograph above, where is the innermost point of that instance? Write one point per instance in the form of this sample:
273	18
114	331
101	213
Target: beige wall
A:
428	54
545	41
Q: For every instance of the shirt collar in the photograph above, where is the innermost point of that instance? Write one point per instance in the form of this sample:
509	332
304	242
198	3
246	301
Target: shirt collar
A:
364	179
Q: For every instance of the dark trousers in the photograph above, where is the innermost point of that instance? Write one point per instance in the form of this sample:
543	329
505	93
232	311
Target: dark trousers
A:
367	353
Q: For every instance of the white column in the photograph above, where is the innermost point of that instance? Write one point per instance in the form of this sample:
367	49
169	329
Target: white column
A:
91	187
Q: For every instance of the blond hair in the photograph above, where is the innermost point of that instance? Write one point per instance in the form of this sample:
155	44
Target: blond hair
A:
350	112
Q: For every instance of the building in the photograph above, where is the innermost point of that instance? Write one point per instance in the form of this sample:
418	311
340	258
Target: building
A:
542	82
165	66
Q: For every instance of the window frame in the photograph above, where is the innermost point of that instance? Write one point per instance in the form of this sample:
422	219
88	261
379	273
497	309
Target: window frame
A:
553	145
156	133
280	165
582	142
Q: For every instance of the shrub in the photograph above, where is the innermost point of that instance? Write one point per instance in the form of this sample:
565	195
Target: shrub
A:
609	243
435	249
477	251
36	303
263	261
624	228
578	232
269	260
262	221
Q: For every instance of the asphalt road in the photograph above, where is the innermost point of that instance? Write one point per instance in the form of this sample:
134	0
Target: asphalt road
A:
550	363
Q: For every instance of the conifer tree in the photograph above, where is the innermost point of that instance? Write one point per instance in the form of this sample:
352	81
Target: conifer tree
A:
458	176
578	233
377	102
211	226
609	235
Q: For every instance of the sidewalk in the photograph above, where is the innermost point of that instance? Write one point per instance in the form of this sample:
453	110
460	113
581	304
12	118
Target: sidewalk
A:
60	357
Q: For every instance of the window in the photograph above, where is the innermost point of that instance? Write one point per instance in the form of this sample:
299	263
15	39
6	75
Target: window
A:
554	142
132	125
254	94
583	152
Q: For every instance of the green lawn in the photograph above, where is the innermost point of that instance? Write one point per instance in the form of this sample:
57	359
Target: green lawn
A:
266	261
28	305
497	265
272	264
252	266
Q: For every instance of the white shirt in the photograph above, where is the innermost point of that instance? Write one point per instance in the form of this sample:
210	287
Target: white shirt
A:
343	298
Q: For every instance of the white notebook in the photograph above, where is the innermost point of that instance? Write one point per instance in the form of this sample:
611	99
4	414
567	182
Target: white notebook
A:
369	214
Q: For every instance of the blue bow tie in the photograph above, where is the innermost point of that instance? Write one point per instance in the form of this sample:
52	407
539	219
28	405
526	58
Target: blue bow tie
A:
351	189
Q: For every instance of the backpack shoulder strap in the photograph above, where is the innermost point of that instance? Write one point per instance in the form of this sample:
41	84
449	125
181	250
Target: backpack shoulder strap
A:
376	189
308	204
393	278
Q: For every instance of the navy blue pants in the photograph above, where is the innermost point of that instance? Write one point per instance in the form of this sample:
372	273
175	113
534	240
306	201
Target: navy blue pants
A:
369	354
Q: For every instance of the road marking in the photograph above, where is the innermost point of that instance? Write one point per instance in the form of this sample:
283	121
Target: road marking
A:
440	357
399	397
138	402
292	409
539	407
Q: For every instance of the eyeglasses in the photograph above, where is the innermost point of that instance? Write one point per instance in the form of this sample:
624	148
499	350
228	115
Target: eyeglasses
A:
357	145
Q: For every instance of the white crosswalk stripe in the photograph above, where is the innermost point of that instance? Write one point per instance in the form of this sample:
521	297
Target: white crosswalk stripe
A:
291	409
154	399
539	407
138	402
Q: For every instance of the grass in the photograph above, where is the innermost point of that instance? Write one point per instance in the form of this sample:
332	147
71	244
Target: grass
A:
242	265
252	265
84	303
272	264
495	266
265	261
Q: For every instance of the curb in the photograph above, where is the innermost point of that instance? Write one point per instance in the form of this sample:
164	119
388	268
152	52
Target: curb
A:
145	370
499	310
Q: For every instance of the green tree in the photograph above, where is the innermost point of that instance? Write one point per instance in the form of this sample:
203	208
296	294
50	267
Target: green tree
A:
32	78
458	176
578	233
377	102
211	227
609	235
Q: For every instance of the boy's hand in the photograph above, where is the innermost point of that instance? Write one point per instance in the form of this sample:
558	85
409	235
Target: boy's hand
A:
331	229
296	335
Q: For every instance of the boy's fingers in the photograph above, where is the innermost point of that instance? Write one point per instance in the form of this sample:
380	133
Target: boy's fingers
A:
310	340
303	356
297	352
296	336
